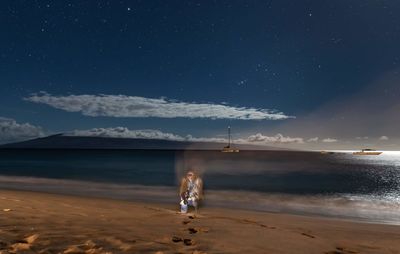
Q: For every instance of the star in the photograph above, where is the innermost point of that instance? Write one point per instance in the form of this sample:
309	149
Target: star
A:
242	82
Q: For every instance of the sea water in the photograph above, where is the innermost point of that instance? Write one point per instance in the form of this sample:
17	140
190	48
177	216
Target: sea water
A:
337	185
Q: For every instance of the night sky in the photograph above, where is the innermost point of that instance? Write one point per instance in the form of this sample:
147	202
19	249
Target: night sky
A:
306	74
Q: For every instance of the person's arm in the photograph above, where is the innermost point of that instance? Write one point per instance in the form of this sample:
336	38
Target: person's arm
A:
184	198
200	188
183	191
182	188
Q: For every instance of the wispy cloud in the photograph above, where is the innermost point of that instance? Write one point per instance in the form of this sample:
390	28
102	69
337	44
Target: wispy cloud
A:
123	132
135	106
384	138
329	140
278	138
315	139
11	131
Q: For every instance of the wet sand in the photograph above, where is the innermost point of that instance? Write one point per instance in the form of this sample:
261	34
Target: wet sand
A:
46	223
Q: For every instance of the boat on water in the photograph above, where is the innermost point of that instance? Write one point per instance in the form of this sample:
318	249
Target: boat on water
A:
327	152
367	152
229	148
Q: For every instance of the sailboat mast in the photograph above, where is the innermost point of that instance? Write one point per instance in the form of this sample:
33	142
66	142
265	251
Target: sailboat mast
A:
229	136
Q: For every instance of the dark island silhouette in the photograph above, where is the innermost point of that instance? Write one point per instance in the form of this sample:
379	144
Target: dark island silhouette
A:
61	141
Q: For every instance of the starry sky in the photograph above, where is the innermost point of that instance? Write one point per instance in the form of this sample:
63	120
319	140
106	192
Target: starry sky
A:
304	74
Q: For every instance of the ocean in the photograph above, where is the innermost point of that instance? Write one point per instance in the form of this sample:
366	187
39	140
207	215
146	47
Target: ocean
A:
340	185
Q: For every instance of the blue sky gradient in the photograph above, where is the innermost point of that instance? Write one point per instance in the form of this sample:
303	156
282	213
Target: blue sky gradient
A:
296	57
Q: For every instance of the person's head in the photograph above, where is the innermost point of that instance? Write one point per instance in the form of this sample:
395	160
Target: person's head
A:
190	175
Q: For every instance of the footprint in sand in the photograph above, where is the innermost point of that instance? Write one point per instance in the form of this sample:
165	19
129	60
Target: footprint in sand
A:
17	247
198	230
266	226
342	250
176	239
192	230
186	222
188	242
308	235
25	244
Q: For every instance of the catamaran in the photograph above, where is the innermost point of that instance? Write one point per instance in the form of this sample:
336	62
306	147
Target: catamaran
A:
367	152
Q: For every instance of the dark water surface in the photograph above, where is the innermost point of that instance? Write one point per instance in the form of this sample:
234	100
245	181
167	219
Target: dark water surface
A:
266	180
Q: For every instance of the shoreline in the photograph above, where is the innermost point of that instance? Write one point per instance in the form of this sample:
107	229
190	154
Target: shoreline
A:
54	223
357	209
169	204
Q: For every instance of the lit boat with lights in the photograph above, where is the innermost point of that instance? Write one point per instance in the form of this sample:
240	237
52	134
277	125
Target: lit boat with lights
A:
367	152
326	152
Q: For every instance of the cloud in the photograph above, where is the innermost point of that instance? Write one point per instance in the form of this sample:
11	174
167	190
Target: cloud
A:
203	139
278	138
11	131
362	137
329	140
135	106
123	132
313	139
383	138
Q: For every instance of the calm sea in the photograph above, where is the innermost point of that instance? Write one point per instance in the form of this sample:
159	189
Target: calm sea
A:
339	185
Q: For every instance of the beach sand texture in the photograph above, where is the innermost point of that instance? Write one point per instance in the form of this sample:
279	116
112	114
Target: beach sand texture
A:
46	223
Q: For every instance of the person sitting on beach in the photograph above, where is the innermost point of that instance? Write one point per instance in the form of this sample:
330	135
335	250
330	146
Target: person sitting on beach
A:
191	191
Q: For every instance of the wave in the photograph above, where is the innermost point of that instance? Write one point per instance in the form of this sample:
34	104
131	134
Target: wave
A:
383	208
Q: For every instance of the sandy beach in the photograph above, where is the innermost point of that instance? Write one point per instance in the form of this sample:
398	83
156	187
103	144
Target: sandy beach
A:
46	223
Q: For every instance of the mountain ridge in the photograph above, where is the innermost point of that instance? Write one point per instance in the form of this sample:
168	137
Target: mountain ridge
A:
61	141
